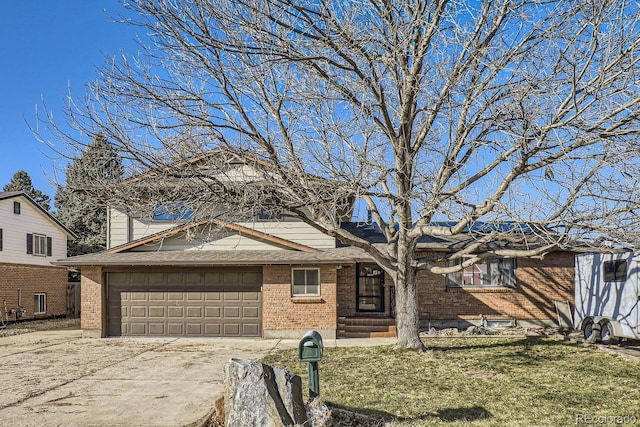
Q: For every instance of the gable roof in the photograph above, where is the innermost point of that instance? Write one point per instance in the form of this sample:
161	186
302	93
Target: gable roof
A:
334	256
230	157
226	225
180	173
15	194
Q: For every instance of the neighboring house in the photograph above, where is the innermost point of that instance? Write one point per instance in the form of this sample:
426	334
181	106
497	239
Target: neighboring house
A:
268	277
30	238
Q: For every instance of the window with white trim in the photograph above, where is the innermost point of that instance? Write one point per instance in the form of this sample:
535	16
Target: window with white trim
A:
39	245
39	303
305	282
498	272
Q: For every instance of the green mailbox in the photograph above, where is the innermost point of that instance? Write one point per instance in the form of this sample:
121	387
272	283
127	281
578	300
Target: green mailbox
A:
310	347
310	351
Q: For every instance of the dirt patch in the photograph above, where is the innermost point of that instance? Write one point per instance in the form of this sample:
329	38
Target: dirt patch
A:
479	331
27	326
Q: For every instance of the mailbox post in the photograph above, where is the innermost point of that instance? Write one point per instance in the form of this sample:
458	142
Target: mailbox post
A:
310	351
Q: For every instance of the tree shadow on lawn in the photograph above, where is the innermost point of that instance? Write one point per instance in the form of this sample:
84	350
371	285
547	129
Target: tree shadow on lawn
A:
369	417
521	351
472	343
464	414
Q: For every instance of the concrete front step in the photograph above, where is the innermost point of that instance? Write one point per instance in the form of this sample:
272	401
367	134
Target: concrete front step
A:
345	334
366	328
366	320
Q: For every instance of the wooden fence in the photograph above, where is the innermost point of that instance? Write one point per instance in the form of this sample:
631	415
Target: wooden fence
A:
73	299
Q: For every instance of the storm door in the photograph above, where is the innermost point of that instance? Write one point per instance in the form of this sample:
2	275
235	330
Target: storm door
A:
370	288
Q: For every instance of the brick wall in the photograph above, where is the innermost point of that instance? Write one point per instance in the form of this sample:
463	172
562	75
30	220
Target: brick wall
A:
19	283
287	316
346	279
539	283
92	310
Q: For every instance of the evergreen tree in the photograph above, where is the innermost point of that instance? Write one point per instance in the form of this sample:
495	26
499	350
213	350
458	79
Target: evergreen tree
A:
21	181
80	211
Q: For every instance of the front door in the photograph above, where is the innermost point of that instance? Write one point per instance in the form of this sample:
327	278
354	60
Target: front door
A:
370	288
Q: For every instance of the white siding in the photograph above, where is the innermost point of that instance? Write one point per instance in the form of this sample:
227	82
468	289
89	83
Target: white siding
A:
143	228
295	231
240	173
121	229
222	241
116	228
288	228
119	224
30	220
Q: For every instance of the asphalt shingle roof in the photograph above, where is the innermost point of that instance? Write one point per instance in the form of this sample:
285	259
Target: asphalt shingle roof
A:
218	258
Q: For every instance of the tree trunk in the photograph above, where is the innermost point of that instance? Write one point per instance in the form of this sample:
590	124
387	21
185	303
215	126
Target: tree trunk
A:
407	316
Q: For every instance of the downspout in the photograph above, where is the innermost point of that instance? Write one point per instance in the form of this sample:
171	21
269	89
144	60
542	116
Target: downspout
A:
108	227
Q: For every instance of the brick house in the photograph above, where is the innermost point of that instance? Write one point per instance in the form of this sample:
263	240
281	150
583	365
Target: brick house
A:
30	238
279	278
263	275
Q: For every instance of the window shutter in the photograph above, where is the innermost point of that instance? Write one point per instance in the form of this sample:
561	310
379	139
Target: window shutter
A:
29	244
49	245
0	239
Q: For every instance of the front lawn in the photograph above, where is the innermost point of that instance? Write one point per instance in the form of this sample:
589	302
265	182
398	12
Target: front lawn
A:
506	381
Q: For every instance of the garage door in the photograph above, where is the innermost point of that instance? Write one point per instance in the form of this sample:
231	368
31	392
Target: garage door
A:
183	303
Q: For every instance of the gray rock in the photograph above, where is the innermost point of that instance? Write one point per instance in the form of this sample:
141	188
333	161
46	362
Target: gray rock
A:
290	389
449	332
475	330
319	414
260	395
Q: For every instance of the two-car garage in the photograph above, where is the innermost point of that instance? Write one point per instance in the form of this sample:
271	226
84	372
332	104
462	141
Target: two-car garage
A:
190	302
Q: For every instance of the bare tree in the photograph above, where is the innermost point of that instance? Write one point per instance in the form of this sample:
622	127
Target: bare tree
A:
438	115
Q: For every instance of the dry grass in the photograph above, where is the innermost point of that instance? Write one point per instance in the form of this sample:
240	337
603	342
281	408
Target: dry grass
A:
477	381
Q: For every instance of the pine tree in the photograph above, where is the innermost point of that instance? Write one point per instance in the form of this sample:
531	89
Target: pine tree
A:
81	212
21	181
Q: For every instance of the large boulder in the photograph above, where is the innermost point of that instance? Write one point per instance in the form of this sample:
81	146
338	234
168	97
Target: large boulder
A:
260	395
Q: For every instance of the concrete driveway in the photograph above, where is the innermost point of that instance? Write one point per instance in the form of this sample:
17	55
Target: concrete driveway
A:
58	378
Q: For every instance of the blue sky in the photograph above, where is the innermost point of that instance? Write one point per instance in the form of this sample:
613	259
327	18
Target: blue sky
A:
47	47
